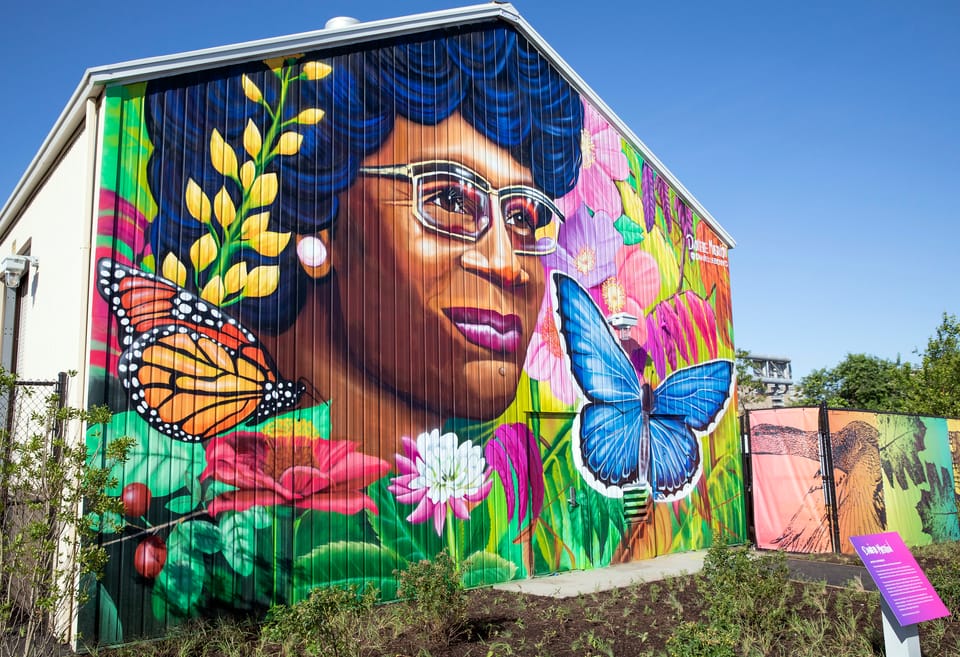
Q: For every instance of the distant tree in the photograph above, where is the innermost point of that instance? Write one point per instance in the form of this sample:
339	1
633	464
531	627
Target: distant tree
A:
936	389
860	381
750	390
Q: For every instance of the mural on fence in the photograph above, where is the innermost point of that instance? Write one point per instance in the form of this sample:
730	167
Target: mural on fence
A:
891	473
355	311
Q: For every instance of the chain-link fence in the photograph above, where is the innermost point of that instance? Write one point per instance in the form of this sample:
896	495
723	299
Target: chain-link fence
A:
25	409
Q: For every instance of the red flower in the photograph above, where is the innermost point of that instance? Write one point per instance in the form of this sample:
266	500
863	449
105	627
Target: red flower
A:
284	469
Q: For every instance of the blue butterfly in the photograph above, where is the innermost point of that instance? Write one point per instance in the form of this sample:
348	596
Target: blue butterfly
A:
632	436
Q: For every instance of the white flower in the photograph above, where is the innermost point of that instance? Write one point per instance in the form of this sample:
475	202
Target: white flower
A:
438	473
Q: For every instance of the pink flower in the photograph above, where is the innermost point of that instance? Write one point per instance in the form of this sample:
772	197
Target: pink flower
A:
545	362
284	469
639	274
440	474
603	162
514	450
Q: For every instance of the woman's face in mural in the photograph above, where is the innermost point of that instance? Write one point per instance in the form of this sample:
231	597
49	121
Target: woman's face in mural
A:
436	269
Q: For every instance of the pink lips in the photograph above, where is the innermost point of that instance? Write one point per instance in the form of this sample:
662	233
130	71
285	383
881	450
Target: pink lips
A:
487	328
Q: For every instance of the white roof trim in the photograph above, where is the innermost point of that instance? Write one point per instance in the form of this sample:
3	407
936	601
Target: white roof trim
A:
95	79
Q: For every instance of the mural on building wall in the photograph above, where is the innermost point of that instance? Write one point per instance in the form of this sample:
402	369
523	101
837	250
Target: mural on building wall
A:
355	310
890	473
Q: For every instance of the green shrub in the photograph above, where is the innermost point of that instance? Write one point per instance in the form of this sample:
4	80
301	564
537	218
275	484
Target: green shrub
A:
701	640
945	578
745	592
332	622
439	600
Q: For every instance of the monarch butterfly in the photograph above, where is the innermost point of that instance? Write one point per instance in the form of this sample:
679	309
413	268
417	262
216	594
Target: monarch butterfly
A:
191	371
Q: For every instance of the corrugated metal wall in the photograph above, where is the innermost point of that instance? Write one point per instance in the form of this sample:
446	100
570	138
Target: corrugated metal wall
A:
360	307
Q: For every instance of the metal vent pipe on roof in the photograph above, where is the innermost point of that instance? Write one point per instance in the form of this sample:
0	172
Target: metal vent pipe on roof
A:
340	21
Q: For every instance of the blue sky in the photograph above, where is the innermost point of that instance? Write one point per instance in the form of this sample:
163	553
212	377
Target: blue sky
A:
824	136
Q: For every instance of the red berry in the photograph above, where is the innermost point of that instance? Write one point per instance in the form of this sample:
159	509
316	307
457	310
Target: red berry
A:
136	499
150	556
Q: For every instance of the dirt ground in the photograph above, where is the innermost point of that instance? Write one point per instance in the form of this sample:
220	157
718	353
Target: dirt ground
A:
639	619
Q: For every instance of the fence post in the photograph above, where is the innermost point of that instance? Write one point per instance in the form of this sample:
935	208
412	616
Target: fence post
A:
746	462
826	472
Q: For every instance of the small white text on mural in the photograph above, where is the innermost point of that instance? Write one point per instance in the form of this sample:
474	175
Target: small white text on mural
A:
707	251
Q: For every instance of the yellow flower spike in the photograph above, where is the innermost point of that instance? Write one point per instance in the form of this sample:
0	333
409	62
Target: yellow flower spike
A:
289	143
269	243
236	278
251	89
275	64
198	205
262	281
254	224
316	70
632	202
213	291
310	116
247	173
264	190
174	270
203	252
223	208
252	141
222	156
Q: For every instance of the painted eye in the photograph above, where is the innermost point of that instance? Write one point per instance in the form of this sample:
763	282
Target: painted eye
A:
449	199
454	206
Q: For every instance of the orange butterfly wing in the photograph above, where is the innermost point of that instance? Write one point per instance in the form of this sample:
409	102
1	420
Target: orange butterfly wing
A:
191	371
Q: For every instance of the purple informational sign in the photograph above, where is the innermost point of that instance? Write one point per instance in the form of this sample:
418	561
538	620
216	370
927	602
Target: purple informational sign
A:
898	576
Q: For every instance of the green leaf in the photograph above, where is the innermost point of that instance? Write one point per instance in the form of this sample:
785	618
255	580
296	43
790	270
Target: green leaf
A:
154	460
314	528
484	568
410	542
632	232
196	535
181	504
237	532
180	584
109	630
216	488
259	516
345	564
109	523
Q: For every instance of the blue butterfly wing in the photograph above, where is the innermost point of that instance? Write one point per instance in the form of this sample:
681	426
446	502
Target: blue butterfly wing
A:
609	444
676	457
687	401
602	370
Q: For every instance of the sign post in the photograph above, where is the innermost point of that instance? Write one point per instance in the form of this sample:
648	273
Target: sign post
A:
907	598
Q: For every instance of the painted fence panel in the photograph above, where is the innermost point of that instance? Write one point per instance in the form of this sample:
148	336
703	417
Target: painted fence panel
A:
890	473
789	512
355	309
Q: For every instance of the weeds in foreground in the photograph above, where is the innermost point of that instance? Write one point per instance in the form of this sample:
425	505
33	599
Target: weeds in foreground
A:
332	622
440	600
741	606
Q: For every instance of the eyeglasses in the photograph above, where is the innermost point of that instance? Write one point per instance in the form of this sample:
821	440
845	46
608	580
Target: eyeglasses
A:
454	201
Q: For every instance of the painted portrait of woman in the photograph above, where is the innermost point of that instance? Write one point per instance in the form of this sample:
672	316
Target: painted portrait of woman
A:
359	307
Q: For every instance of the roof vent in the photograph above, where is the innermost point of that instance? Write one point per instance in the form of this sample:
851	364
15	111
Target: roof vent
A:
340	21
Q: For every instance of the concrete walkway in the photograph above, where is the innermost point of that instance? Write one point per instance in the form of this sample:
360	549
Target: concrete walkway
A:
571	584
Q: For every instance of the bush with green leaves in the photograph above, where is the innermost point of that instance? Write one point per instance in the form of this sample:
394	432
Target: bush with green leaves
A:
332	622
702	640
50	500
439	599
746	592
